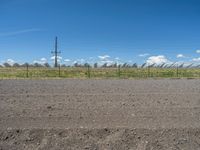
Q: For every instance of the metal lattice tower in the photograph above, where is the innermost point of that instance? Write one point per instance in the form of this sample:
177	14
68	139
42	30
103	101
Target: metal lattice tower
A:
56	52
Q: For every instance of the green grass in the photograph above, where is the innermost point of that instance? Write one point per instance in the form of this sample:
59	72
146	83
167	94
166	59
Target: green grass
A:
75	72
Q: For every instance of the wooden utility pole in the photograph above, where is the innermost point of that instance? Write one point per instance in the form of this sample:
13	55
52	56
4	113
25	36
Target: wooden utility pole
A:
56	52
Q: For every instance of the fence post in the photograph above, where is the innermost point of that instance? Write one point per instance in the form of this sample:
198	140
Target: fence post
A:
59	69
88	71
27	75
177	71
119	71
148	71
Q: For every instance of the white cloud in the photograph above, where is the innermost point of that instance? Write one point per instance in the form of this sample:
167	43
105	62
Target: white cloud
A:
41	61
53	57
157	60
104	57
10	61
196	59
108	60
180	56
74	62
143	55
67	60
198	51
59	58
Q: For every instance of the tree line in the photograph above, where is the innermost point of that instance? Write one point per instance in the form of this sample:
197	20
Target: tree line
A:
105	65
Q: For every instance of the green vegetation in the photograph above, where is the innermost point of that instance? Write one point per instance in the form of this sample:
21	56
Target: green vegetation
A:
88	72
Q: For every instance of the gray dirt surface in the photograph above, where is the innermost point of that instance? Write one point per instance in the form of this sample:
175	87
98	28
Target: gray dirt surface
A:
75	114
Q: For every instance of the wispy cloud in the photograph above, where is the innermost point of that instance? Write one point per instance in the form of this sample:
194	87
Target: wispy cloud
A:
104	57
144	55
13	33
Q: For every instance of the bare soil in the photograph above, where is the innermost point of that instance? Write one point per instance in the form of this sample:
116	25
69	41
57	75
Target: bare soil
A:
73	114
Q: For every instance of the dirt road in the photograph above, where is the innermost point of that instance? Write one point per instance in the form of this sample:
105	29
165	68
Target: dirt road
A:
100	114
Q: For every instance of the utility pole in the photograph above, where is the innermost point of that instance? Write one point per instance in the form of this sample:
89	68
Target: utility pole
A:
56	52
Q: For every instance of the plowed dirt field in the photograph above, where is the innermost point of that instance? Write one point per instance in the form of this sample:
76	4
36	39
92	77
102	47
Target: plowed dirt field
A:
73	114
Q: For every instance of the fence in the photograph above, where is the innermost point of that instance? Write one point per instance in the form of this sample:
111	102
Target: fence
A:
89	72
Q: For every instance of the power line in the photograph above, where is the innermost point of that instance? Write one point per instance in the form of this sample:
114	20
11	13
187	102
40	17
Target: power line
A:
56	52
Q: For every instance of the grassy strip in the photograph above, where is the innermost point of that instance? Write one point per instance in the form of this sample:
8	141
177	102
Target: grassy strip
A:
75	72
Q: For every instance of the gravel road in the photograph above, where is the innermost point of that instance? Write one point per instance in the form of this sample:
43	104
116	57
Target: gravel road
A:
100	114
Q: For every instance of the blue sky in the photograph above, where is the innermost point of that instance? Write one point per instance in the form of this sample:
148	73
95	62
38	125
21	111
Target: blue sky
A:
100	30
